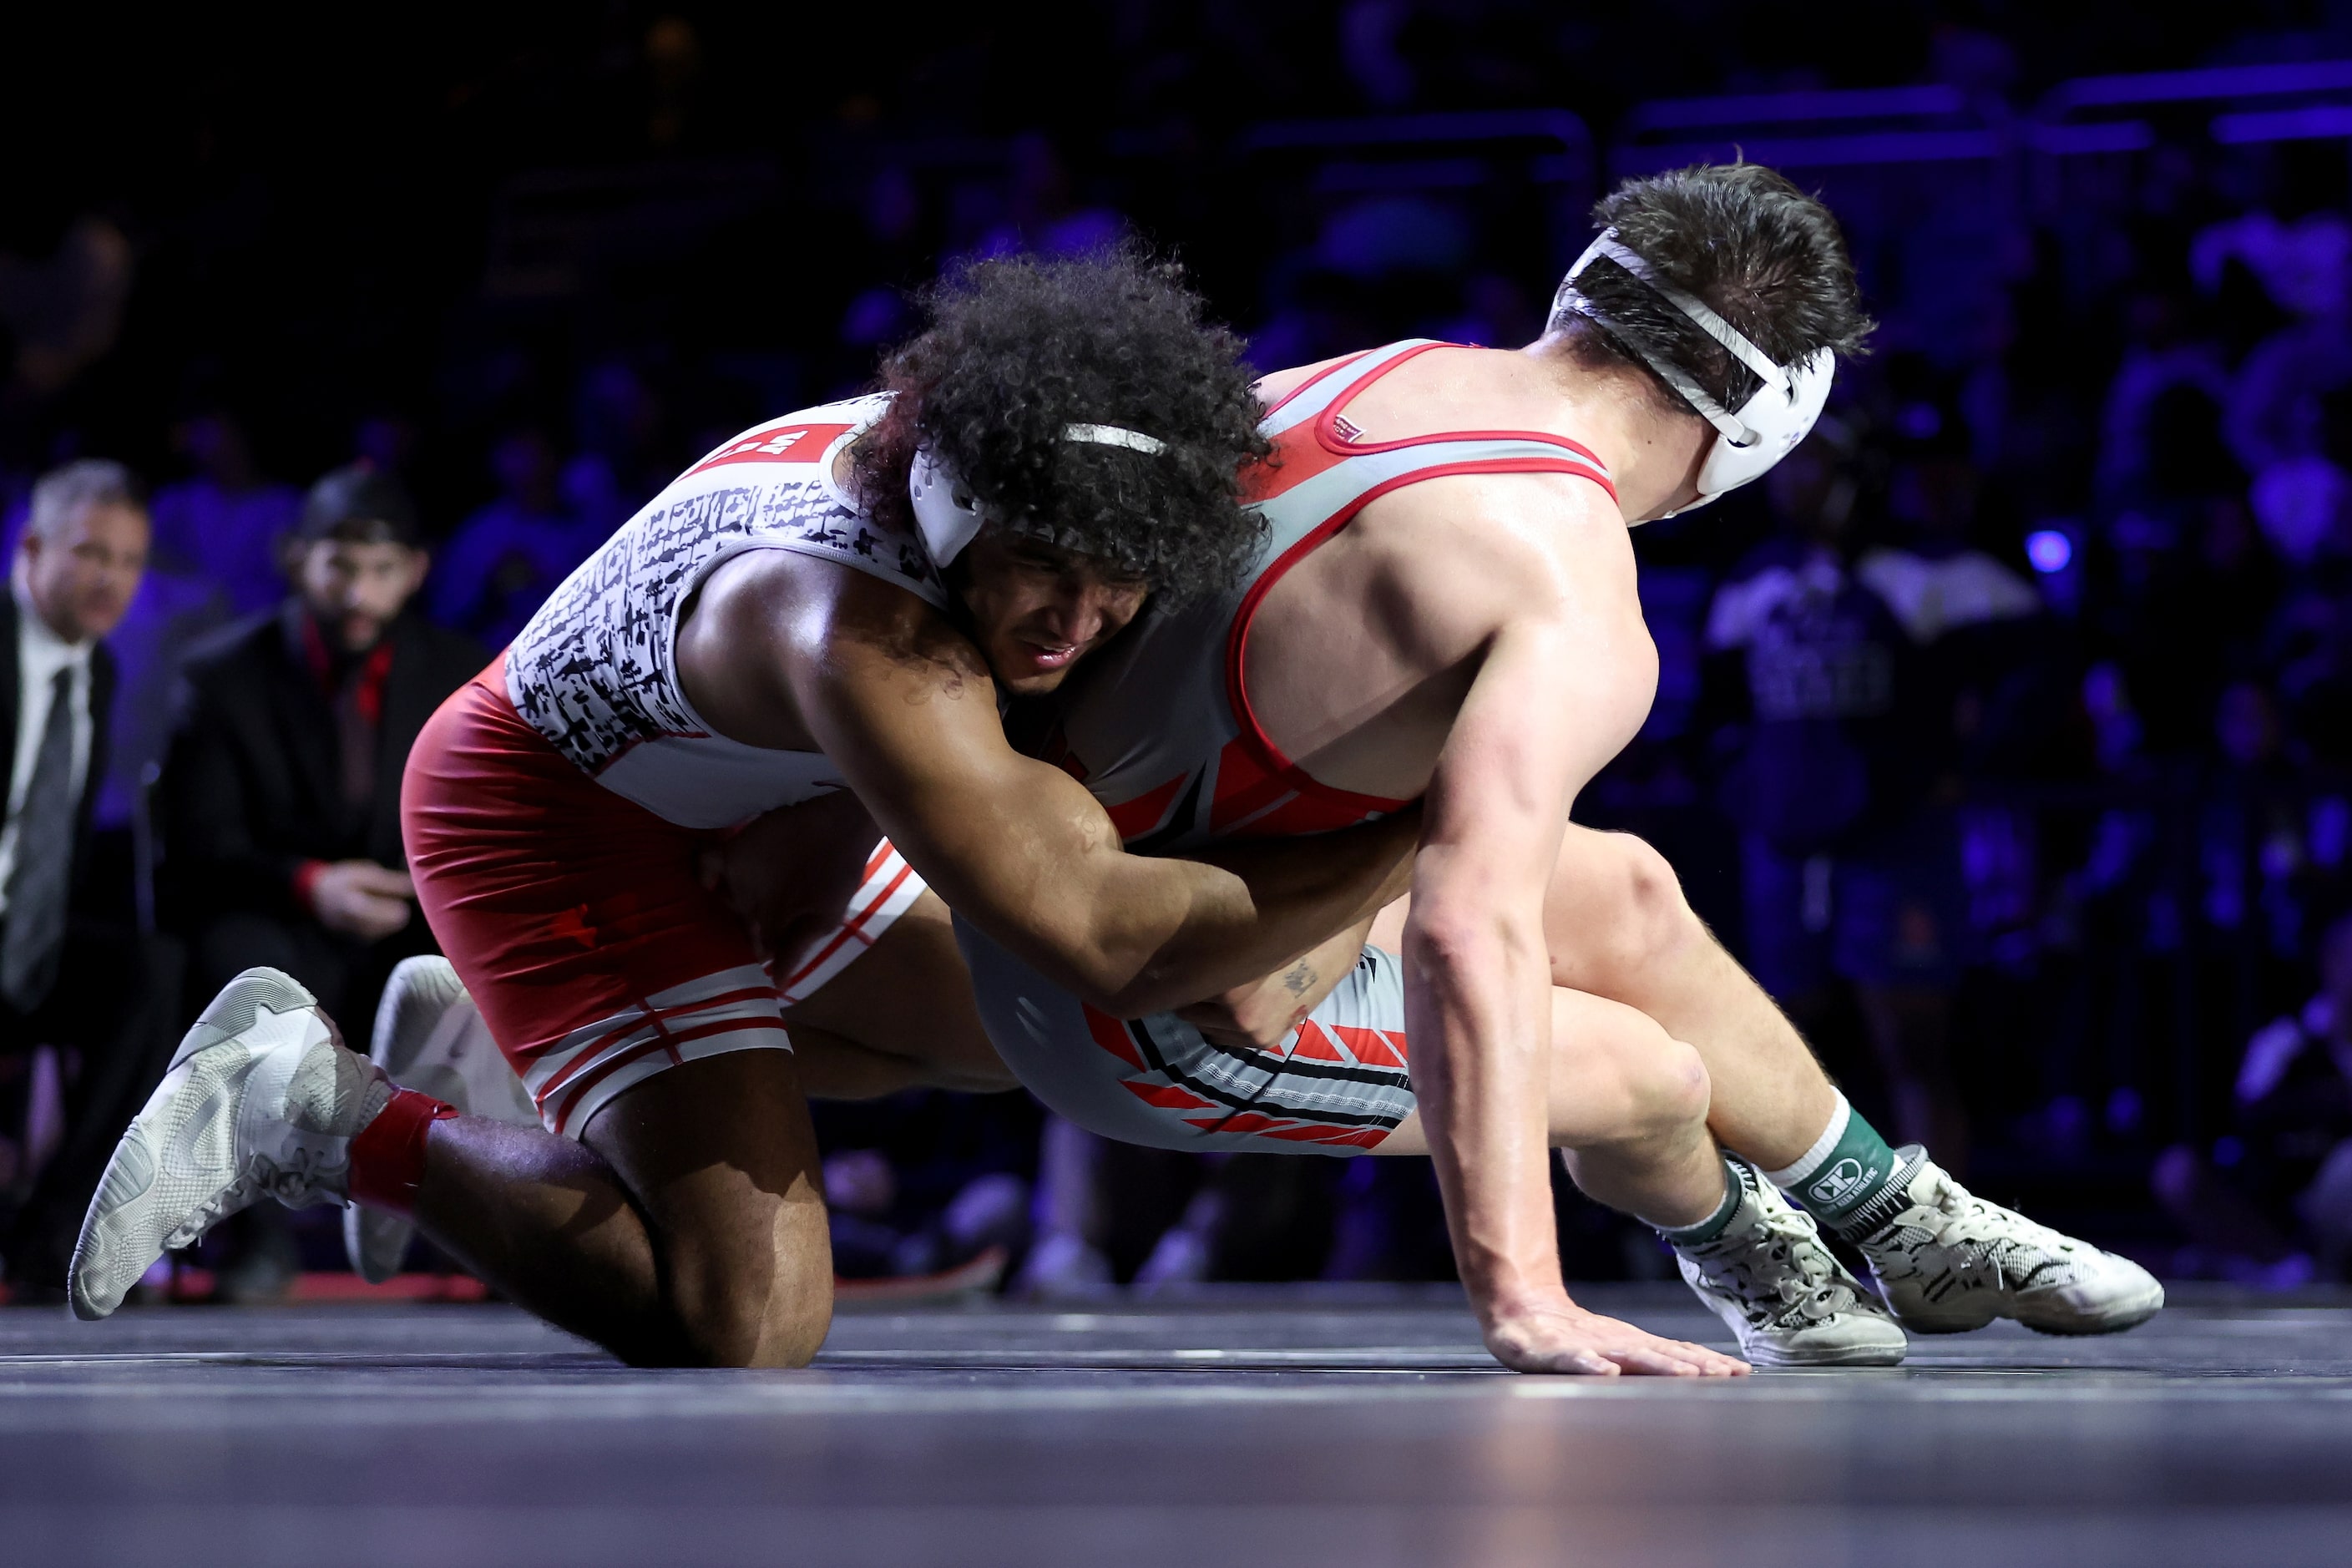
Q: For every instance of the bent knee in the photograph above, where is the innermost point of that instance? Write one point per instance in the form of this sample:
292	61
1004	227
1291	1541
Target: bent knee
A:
1678	1090
1617	913
1660	1090
760	1297
754	1328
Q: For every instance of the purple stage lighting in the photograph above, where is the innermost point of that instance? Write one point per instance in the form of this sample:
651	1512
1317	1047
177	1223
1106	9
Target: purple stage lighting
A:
2049	550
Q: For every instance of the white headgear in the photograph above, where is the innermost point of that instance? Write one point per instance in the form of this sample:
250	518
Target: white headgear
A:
950	516
1764	429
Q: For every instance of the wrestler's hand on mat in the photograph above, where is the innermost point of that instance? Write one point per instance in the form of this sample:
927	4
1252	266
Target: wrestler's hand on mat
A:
1567	1338
791	873
362	899
1261	1014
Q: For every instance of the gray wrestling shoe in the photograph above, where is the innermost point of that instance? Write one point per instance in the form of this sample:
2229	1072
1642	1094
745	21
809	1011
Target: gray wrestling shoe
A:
429	1037
1772	1279
1948	1261
261	1099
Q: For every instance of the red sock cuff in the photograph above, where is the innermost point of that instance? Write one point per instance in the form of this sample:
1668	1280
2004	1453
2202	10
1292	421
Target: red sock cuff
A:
388	1154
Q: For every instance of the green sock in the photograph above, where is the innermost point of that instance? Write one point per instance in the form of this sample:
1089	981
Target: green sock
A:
1850	1179
1714	1224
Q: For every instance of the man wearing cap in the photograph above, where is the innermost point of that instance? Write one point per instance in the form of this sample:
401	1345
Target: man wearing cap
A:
281	799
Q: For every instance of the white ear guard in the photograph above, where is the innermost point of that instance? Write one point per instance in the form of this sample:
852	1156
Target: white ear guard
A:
1763	430
950	516
947	513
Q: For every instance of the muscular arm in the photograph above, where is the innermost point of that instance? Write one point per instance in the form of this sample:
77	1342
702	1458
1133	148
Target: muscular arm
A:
1260	1015
904	706
1561	685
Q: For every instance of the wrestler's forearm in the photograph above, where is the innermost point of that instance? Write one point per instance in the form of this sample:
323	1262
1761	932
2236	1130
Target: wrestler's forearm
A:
1249	912
1261	1014
1020	849
1477	1011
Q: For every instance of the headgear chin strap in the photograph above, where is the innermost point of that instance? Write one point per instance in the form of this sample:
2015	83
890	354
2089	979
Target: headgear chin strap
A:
1763	430
950	516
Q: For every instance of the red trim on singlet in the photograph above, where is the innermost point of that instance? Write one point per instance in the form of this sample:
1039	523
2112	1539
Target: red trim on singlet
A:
1138	817
1327	431
654	1016
1252	734
1112	1035
1266	1126
1334	368
1167	1097
1373	1047
1255	799
854	926
666	1042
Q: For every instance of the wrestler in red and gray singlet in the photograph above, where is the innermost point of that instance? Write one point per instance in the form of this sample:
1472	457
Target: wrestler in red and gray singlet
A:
1160	729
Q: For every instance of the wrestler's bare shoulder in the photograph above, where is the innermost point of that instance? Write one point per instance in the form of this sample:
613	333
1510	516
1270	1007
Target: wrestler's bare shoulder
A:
1278	385
1361	655
1425	575
1424	536
767	620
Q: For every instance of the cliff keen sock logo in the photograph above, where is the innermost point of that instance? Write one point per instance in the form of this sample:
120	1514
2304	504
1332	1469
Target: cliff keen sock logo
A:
1837	1183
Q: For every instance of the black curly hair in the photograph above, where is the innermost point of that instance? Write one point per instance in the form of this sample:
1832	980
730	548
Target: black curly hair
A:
1014	349
1766	256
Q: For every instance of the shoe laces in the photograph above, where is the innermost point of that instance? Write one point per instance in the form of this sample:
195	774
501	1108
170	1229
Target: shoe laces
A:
1812	1281
1784	1255
292	1181
1957	1217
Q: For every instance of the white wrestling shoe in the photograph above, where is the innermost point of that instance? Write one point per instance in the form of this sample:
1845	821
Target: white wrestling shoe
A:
1948	1262
1772	1279
430	1037
261	1098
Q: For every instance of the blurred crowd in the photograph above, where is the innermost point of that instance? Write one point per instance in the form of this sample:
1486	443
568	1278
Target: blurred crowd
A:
2006	732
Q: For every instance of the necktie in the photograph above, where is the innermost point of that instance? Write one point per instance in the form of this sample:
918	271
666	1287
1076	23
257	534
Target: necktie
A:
35	931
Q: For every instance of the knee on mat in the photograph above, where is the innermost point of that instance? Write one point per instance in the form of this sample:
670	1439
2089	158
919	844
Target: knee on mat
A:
734	1318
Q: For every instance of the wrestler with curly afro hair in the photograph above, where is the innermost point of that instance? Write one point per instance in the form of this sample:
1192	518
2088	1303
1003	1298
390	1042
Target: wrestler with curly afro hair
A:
1015	351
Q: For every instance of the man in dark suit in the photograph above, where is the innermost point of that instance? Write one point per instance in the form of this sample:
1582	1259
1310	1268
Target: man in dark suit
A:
280	802
105	994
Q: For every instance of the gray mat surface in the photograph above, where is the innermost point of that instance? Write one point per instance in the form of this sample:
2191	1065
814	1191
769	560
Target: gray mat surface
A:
1255	1428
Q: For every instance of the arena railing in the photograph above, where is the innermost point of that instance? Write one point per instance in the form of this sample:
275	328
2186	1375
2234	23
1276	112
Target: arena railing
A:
2087	134
1561	145
2238	104
1923	178
1475	155
1933	124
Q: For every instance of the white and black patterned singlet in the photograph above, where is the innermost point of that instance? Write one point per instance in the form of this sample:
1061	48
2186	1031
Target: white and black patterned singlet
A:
596	671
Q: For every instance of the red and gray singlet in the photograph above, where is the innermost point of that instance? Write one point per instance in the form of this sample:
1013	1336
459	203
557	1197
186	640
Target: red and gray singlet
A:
596	671
1160	729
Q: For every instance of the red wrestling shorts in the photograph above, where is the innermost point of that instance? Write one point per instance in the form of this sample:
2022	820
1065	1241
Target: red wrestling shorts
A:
576	918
